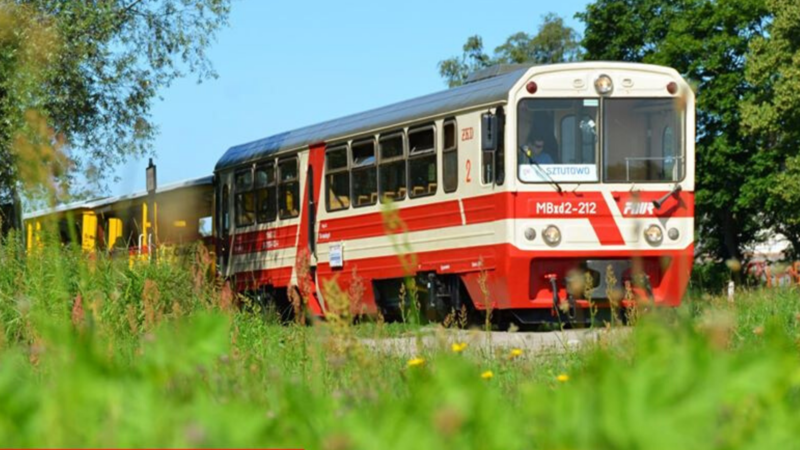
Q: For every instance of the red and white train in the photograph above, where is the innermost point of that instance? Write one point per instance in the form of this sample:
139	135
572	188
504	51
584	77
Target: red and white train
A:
511	189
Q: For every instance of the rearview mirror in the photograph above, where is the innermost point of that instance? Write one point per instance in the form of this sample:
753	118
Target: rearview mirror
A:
489	132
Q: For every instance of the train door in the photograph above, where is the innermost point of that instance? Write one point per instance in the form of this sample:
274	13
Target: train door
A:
308	224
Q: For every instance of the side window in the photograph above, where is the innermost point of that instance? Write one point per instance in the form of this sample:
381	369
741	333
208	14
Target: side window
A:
245	198
487	162
288	189
450	157
422	161
493	163
365	180
337	179
266	193
392	168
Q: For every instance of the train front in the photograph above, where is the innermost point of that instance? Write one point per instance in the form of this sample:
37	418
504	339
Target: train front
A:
604	203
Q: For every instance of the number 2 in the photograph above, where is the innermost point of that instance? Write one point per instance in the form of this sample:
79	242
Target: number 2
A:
469	169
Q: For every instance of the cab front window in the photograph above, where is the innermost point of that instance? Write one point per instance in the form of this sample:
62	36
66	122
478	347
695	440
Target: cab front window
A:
642	140
557	140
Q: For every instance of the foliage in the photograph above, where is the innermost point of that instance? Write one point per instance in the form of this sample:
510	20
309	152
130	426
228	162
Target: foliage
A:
771	112
706	41
94	353
553	42
77	79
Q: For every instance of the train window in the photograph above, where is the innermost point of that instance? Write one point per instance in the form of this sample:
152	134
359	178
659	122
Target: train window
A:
668	153
577	140
338	179
365	180
392	168
266	193
632	129
288	189
245	199
422	161
493	162
450	157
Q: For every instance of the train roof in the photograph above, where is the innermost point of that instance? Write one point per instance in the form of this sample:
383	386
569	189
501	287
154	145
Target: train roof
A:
107	201
482	88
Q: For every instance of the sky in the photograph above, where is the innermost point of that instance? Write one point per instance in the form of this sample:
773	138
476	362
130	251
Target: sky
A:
283	65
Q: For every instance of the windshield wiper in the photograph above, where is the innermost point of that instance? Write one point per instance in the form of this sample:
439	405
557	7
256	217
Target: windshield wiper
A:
550	179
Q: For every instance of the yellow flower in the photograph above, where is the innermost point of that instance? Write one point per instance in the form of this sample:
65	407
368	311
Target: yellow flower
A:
415	362
458	347
563	378
488	375
515	353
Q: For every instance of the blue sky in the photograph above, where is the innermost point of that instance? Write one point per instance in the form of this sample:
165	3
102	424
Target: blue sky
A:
283	65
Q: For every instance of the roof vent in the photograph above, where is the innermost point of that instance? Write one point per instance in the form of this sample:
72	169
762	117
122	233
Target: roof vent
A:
494	71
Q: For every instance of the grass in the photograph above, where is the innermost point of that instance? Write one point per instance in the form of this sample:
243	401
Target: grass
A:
95	353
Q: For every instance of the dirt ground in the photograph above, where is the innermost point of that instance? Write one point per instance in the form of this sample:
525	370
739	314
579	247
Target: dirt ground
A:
531	343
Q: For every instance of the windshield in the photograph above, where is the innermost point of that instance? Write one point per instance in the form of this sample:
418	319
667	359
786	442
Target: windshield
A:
557	140
643	140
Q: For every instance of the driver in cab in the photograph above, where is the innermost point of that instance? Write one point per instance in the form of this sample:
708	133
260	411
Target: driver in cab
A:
535	153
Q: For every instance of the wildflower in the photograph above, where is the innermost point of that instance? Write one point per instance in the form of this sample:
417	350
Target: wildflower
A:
415	362
758	331
515	353
488	375
458	347
562	378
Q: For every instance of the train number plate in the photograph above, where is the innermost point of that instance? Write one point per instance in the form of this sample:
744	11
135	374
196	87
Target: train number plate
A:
565	208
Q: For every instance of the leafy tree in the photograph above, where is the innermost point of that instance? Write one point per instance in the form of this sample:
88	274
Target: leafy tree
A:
707	41
77	80
772	113
554	42
456	69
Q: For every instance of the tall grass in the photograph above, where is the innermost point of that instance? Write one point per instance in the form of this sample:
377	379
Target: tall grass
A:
97	353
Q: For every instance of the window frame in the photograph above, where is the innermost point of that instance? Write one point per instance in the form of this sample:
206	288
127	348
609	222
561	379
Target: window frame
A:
446	150
240	192
420	155
281	182
392	160
328	172
363	168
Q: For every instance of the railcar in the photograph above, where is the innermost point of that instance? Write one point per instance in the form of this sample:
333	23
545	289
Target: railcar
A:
122	224
537	191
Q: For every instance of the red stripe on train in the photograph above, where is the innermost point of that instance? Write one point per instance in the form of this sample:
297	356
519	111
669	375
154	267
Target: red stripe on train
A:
264	240
416	218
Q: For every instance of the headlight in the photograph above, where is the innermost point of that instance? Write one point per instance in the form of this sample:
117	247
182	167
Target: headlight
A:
530	234
674	234
653	235
552	235
603	85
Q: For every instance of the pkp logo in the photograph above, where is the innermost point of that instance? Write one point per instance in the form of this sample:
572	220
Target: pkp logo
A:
635	208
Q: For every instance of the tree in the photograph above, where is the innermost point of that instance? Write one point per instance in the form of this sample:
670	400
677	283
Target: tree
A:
77	80
456	69
771	113
554	42
707	41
